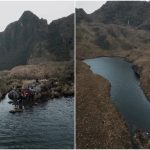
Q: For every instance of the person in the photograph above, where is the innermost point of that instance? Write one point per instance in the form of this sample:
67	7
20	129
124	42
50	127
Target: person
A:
37	81
16	104
13	95
20	103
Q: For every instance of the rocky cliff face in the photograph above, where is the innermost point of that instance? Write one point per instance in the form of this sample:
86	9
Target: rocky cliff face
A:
32	38
61	37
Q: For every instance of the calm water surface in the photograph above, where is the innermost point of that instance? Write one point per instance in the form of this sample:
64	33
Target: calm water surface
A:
47	125
126	92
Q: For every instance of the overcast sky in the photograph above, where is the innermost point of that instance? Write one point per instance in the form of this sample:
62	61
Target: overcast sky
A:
89	6
50	10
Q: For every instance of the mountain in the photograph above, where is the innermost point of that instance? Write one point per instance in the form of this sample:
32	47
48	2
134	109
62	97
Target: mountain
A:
116	26
133	13
81	15
61	37
31	38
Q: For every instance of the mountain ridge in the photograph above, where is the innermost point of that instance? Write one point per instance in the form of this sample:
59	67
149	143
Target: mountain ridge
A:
133	13
108	29
30	38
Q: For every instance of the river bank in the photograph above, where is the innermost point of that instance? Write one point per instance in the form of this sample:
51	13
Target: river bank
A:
97	117
84	98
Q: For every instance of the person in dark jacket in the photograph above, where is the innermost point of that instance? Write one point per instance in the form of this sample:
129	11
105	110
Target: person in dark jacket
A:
20	103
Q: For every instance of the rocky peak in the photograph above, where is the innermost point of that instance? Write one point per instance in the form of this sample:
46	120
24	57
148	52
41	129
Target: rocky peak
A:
80	11
29	19
28	16
132	13
81	15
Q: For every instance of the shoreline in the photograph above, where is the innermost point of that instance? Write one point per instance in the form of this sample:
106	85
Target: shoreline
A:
137	72
110	86
137	69
48	91
104	108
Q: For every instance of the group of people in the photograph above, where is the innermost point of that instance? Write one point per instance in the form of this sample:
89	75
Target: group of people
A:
19	96
141	137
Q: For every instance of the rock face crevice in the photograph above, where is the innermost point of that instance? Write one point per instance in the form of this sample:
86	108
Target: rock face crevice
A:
31	37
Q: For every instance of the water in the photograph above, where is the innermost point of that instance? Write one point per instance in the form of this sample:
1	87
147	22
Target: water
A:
126	92
47	125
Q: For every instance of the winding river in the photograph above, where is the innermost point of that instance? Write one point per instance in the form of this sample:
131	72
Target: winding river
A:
46	125
126	92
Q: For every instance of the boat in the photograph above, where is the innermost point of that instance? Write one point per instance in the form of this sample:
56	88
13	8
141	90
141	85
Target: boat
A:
16	110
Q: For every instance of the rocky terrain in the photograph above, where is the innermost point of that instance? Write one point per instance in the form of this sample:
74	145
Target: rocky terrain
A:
116	29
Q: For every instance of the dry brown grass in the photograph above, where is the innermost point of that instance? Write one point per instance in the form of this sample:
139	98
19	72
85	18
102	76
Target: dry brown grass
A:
36	71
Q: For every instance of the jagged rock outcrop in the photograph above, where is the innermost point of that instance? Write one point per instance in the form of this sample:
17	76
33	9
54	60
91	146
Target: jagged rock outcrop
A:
82	15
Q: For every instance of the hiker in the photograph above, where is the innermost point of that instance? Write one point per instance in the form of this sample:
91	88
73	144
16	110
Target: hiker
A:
20	103
140	135
16	103
37	81
13	95
26	94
